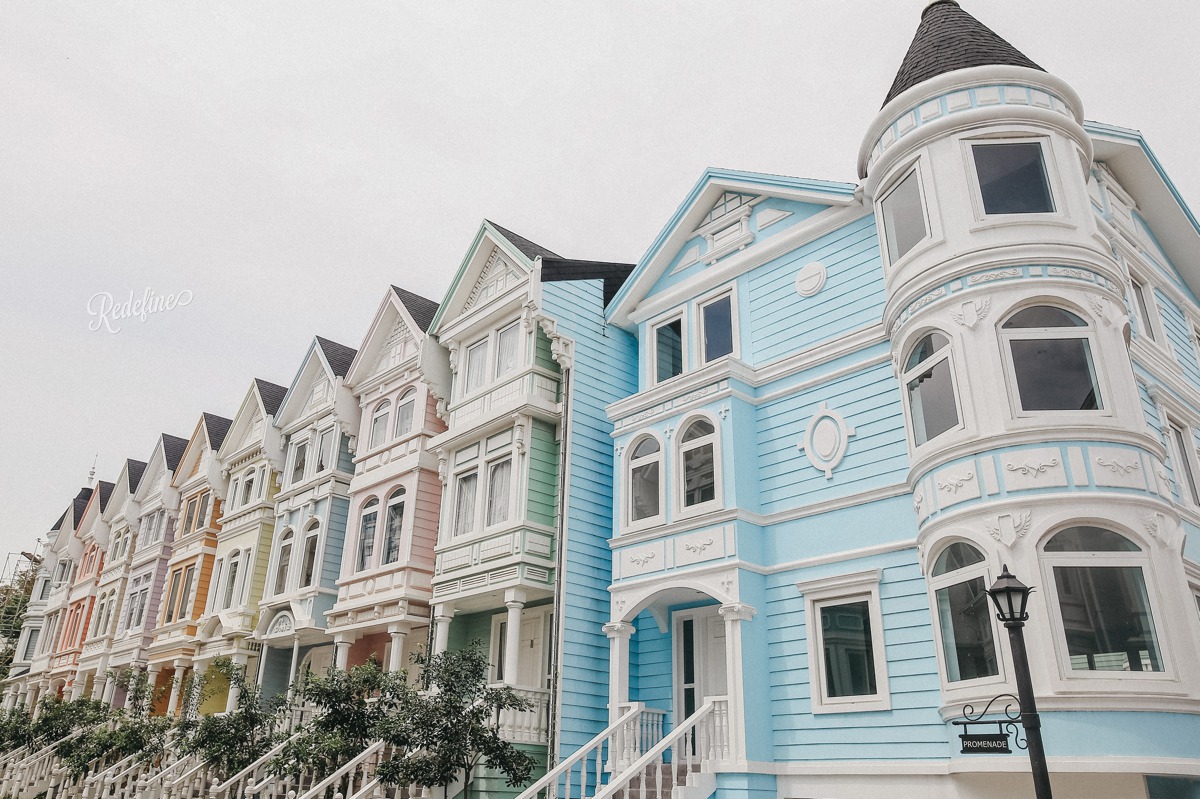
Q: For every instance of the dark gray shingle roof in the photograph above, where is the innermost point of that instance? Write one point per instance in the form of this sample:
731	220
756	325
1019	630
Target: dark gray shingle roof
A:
173	447
217	427
271	395
61	518
106	490
528	248
612	274
421	310
339	356
135	470
949	39
79	505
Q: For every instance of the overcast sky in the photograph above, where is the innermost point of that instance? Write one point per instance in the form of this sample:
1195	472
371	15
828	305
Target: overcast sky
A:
284	163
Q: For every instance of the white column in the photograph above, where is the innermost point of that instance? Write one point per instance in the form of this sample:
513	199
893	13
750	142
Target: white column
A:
442	614
176	687
77	685
734	614
399	644
514	600
262	665
152	673
101	681
619	633
239	662
341	650
295	664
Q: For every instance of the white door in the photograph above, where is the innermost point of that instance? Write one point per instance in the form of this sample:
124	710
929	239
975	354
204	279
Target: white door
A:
531	665
700	670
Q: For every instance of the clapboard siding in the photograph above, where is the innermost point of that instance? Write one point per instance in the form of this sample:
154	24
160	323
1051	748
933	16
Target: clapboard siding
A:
335	538
782	322
650	673
425	520
604	370
543	473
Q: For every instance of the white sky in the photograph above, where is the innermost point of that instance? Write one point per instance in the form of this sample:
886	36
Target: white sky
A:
286	162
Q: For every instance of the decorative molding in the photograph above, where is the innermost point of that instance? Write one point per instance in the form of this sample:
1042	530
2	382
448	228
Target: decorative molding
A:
1149	523
955	483
769	216
698	547
1022	522
988	277
1032	468
825	439
811	279
1116	466
972	312
642	559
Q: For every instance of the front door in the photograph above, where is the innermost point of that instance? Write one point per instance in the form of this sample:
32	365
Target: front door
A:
699	636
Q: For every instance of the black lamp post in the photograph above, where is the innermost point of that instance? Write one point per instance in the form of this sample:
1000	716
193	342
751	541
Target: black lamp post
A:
1011	596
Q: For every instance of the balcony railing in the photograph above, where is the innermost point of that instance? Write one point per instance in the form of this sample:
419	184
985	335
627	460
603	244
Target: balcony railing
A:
531	384
527	726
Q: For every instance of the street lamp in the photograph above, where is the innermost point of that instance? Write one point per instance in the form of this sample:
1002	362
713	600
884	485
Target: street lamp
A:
1011	597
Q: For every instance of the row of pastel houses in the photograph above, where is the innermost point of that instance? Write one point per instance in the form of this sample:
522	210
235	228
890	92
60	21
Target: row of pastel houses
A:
743	496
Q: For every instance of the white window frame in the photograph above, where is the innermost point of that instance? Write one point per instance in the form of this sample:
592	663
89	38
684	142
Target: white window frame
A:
1117	680
488	452
330	431
1049	165
381	413
701	356
313	532
276	588
914	169
1189	494
838	590
952	578
485	365
676	316
365	563
1087	333
659	457
407	397
521	340
1145	309
679	478
398	495
293	453
945	353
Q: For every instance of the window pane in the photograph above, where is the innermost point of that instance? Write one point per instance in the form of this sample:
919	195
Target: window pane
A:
498	480
1012	178
1055	374
404	416
1143	310
507	349
644	491
699	477
718	329
285	560
366	539
464	504
325	451
248	488
202	512
299	463
849	657
231	583
189	516
172	597
647	446
1090	539
903	218
669	349
966	631
391	537
310	561
698	429
1043	316
925	348
476	366
1106	618
185	609
1183	466
956	556
931	401
379	423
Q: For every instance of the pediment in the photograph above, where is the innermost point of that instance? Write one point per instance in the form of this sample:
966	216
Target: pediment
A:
398	345
498	275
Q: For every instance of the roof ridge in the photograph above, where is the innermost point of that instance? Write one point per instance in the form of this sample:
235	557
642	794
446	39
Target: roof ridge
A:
529	249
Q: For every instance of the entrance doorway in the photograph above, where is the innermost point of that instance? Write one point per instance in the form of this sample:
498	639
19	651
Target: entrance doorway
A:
700	671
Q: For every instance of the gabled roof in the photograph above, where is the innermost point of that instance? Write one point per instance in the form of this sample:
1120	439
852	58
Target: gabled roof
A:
338	356
528	248
79	505
61	518
613	275
106	490
216	427
173	448
421	310
134	470
271	395
950	39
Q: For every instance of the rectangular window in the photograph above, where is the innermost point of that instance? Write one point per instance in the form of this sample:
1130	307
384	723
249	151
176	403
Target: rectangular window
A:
299	461
202	511
668	350
966	621
1181	455
931	400
903	217
1145	327
173	597
31	643
185	594
1055	374
717	318
325	451
464	503
499	476
848	650
1012	178
508	349
189	517
1106	617
477	365
231	582
309	567
846	658
285	562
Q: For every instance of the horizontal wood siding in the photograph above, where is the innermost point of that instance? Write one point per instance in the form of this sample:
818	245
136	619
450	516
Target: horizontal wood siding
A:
335	538
541	352
912	729
543	473
604	370
782	322
876	455
426	507
650	669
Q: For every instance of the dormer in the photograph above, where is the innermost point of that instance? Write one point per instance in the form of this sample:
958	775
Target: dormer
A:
121	514
156	497
252	455
198	477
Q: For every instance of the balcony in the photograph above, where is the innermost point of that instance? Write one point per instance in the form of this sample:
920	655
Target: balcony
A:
523	556
530	388
530	726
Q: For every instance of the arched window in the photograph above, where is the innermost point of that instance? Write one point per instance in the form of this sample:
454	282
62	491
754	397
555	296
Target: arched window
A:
404	412
231	577
697	455
930	387
1103	604
394	521
645	480
284	563
959	582
1051	359
366	533
308	567
379	423
248	486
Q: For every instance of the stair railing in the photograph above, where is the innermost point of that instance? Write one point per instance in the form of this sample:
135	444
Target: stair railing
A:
250	780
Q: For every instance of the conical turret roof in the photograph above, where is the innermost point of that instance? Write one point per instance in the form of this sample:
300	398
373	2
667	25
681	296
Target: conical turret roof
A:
949	39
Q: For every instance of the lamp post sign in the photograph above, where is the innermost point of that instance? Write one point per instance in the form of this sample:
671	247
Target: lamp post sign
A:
995	741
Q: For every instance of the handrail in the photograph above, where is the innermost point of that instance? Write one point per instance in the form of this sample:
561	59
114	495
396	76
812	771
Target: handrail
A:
654	753
367	787
353	763
551	777
217	788
187	774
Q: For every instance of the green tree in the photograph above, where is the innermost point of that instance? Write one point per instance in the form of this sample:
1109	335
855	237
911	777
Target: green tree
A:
452	726
229	742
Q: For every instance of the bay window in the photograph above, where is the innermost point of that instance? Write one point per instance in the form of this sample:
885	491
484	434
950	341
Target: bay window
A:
379	424
645	480
491	458
404	412
1012	177
668	350
697	457
477	366
299	461
903	213
1050	356
366	533
959	583
325	451
716	318
284	562
392	526
308	565
508	349
930	388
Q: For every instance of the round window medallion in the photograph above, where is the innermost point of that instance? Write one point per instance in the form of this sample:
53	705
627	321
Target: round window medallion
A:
810	279
825	439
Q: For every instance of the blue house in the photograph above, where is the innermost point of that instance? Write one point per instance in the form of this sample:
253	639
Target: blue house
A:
856	403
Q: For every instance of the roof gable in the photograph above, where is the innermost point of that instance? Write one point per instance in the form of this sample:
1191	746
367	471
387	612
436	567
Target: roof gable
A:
198	445
726	212
260	402
133	474
394	334
271	395
315	381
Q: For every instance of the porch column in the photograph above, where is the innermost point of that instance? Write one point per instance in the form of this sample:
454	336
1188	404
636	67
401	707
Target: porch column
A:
239	663
341	650
514	600
619	633
152	673
262	665
442	614
101	681
176	687
734	614
294	666
77	686
399	643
